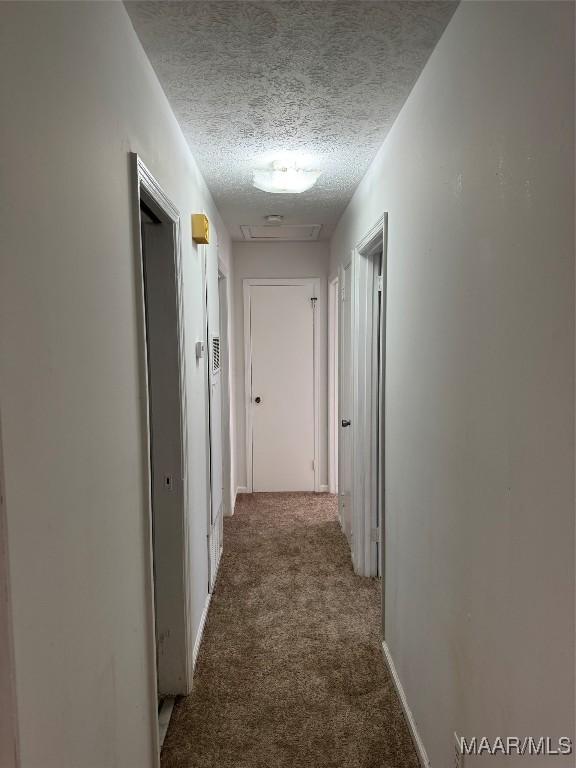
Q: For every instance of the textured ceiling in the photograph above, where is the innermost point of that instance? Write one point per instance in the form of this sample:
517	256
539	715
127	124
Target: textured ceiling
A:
249	80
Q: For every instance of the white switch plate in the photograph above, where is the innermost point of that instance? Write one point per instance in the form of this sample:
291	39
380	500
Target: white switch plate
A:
199	349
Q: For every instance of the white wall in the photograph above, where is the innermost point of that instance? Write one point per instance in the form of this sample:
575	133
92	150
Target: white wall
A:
278	260
78	94
477	176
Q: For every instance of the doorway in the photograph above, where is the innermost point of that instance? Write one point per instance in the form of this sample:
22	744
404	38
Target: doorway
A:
217	355
9	746
333	424
345	407
163	380
281	334
225	387
362	407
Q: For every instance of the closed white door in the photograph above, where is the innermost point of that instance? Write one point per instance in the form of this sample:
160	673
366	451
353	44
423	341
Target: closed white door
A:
215	427
215	534
215	360
282	387
345	438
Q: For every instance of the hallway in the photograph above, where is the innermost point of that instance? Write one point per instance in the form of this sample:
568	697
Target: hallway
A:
290	672
260	259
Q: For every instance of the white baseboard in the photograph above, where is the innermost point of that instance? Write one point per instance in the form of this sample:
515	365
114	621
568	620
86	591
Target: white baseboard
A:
418	743
200	632
323	489
164	718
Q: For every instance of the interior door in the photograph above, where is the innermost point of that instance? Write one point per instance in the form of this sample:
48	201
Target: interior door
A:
224	392
215	359
378	324
216	480
282	387
166	452
345	402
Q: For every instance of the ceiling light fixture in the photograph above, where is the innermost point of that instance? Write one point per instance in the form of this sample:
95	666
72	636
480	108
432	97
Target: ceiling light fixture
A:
274	218
285	177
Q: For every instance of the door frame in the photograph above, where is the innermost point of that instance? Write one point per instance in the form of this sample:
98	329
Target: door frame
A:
145	185
210	435
333	357
341	491
202	250
10	744
217	516
225	336
368	392
247	284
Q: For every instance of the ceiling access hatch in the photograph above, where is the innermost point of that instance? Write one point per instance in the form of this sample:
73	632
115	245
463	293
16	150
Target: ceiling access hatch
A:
269	232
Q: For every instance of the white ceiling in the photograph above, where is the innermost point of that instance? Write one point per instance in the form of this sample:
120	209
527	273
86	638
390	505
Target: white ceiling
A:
248	80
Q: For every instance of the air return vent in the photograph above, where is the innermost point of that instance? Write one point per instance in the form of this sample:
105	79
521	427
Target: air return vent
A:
215	354
275	232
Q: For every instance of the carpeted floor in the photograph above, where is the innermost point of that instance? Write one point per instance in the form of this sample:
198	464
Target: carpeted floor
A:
290	672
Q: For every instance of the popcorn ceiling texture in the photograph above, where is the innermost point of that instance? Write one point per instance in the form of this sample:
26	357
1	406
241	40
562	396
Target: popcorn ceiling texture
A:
247	79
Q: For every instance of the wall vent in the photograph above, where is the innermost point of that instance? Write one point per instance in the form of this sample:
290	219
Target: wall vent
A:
215	354
278	232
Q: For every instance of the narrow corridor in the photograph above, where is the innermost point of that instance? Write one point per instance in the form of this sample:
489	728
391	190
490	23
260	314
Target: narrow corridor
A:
290	672
251	249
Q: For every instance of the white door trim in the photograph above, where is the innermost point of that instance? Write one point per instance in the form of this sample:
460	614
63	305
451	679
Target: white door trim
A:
225	337
10	743
367	450
215	436
333	353
143	180
203	254
341	415
247	284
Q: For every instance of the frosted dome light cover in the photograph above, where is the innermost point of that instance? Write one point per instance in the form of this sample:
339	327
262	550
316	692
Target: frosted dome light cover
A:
285	178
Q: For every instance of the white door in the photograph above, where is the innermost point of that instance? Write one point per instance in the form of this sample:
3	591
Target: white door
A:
282	386
345	403
225	392
215	359
333	353
216	482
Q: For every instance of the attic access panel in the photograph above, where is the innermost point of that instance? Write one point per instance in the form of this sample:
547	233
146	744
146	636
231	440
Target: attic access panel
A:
282	232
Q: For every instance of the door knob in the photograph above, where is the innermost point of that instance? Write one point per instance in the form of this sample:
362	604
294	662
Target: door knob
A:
346	422
258	399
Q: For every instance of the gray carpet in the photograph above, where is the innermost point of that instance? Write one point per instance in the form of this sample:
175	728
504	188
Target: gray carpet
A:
290	672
